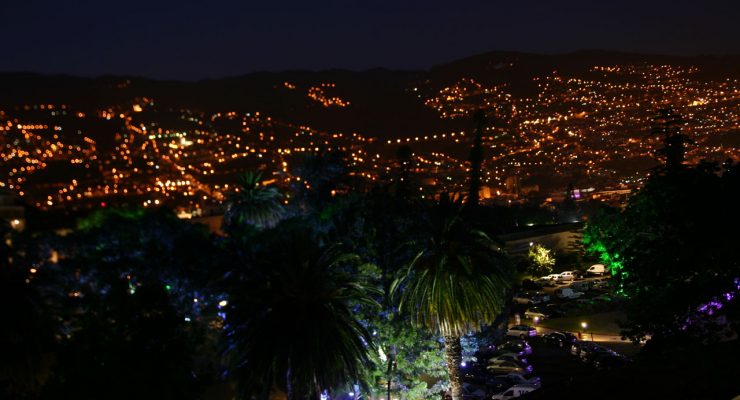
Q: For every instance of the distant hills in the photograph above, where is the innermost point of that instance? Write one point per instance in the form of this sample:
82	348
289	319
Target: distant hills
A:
382	102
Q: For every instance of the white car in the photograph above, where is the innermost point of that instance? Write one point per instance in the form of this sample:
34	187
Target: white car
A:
551	277
514	392
521	380
534	312
521	331
567	276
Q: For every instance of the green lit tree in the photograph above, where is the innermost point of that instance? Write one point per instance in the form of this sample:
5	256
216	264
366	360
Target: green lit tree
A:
661	252
541	260
456	282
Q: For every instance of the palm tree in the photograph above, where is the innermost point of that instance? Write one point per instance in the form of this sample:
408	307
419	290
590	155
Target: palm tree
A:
253	203
293	324
454	284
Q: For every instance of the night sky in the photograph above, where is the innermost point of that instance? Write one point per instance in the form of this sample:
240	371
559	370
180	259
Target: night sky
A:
213	38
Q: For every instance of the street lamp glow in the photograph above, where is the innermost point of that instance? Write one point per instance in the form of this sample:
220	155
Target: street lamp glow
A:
584	325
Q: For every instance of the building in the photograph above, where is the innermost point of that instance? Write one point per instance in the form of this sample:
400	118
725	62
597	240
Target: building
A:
12	209
562	238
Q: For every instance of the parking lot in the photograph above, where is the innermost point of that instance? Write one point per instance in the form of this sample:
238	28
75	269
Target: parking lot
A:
560	308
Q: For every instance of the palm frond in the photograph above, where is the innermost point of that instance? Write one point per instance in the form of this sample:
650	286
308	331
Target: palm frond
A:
253	203
456	282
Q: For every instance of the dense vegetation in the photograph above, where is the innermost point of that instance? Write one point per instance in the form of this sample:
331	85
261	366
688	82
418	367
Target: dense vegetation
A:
377	291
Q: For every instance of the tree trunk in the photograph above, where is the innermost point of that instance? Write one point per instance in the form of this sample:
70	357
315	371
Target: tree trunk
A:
390	377
453	356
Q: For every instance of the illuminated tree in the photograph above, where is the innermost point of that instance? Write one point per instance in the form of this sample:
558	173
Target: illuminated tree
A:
456	282
378	226
661	251
541	259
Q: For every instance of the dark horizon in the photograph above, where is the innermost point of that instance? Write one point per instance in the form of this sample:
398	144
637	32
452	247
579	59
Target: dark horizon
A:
189	41
380	68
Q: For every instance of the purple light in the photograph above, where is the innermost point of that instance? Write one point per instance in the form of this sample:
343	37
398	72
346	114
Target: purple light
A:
712	306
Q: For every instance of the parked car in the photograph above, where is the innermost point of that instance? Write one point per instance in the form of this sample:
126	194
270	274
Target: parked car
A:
567	293
560	339
579	346
486	352
473	391
473	372
517	379
511	357
581	286
529	284
517	346
536	312
523	298
546	282
567	276
587	353
521	331
596	269
539	297
508	367
600	283
477	374
583	302
551	277
503	352
514	392
603	298
554	310
608	361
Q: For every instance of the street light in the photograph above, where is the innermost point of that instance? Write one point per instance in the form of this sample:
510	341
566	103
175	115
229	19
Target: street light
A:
584	325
